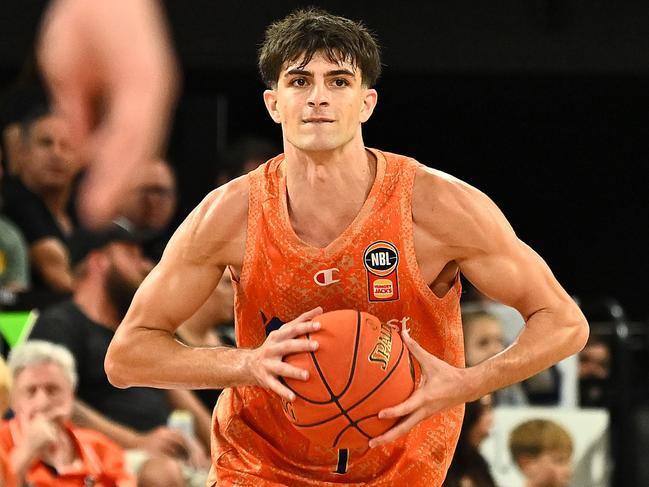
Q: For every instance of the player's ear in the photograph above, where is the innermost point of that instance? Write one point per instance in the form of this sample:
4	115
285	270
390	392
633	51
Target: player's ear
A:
369	102
270	100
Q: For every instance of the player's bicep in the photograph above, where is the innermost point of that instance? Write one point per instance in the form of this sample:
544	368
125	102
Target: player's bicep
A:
178	285
171	294
512	273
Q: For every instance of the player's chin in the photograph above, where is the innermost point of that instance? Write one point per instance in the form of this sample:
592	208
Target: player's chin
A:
317	144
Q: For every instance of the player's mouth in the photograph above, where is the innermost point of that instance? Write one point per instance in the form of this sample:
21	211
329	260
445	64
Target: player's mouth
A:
318	120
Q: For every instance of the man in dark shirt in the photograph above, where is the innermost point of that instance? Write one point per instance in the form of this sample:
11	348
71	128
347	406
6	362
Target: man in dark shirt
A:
38	198
109	268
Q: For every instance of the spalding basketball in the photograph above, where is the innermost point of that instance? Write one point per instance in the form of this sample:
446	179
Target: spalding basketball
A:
360	367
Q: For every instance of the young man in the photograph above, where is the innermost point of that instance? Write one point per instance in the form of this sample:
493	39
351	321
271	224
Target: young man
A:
295	235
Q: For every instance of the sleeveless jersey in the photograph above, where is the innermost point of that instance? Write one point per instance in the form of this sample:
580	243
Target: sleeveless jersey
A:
370	267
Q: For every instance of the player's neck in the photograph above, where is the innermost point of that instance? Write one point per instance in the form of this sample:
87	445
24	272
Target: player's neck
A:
348	170
325	194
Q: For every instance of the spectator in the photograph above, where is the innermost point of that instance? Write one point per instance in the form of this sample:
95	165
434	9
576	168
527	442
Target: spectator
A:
151	207
5	387
469	468
26	91
40	445
38	200
483	338
246	154
14	263
555	386
542	450
594	371
109	267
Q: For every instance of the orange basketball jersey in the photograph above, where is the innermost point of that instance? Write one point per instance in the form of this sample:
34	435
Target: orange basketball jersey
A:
370	267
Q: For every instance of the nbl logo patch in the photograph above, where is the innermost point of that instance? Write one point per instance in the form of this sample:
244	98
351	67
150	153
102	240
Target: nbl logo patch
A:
381	260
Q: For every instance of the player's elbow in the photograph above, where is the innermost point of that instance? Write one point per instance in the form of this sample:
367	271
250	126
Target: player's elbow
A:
116	367
577	331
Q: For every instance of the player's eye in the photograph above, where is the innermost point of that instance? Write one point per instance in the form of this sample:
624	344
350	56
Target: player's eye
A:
340	82
299	82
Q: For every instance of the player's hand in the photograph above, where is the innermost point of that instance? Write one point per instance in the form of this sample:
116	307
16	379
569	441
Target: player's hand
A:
164	441
438	390
267	365
112	73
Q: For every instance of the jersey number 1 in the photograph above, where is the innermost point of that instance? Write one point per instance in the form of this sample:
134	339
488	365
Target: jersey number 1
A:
343	458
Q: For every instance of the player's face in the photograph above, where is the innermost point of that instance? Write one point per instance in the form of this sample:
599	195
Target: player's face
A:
484	339
320	106
43	389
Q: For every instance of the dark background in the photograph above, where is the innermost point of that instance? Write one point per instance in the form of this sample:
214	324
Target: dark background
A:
541	104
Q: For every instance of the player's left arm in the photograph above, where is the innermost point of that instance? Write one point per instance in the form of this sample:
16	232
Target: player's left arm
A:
490	255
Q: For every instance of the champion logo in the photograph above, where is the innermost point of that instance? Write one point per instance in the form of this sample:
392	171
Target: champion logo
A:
325	277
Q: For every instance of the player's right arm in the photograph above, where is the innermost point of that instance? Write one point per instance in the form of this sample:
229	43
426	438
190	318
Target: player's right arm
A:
144	351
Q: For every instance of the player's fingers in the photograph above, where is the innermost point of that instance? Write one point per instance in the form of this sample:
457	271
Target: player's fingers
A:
296	328
283	369
309	315
417	351
288	347
399	430
278	387
415	401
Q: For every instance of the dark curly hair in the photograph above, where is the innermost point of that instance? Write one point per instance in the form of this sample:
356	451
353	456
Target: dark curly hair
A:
306	32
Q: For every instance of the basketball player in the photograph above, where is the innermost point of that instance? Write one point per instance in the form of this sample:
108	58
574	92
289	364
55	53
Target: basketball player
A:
333	224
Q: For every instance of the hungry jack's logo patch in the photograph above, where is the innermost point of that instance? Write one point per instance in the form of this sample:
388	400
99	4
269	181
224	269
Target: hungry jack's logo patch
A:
381	261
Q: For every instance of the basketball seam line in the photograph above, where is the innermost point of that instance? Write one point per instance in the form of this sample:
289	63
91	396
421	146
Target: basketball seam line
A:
394	367
355	423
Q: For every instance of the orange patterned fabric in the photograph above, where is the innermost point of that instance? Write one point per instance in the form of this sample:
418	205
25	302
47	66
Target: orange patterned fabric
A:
282	276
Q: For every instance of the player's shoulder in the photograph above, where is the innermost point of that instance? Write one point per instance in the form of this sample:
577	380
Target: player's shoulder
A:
231	197
445	203
217	226
437	189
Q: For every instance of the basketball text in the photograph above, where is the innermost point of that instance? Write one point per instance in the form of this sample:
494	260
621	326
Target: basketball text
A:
381	351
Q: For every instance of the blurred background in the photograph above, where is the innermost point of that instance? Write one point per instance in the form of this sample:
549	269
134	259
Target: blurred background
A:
541	104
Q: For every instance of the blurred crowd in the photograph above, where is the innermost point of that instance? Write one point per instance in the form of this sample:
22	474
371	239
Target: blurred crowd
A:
64	291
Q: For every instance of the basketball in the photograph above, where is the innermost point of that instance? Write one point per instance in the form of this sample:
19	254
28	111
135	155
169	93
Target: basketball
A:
360	367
